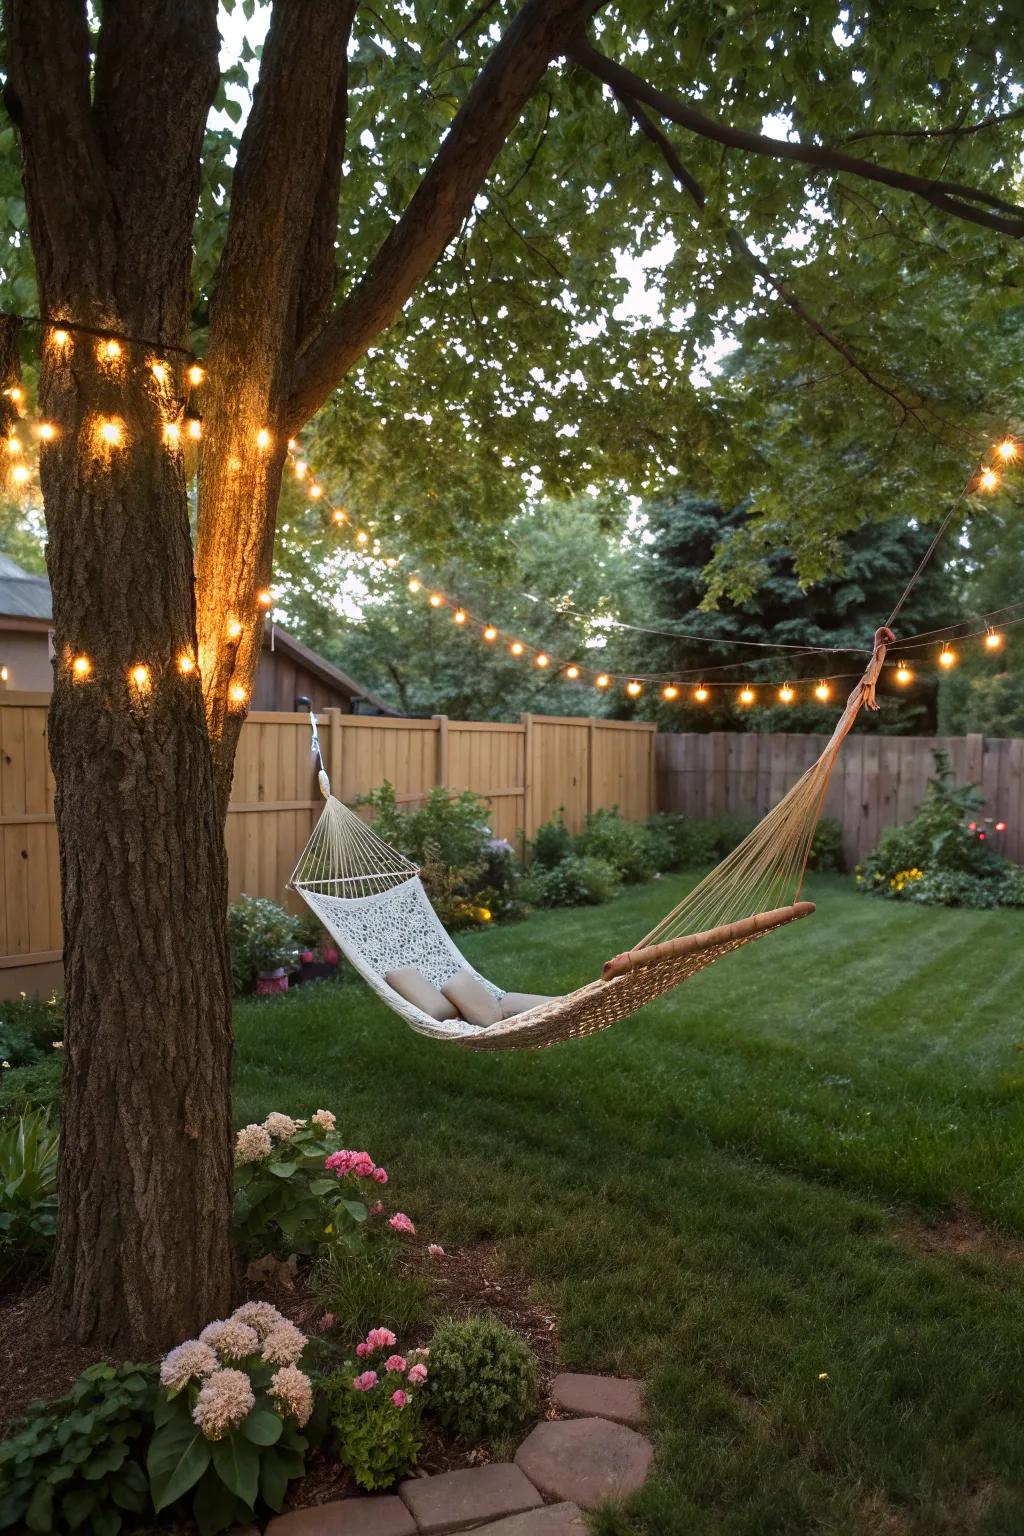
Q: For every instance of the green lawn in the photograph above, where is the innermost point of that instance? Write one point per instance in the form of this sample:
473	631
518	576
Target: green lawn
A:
724	1194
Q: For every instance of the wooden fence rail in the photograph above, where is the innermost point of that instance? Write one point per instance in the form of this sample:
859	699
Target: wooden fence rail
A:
878	781
524	772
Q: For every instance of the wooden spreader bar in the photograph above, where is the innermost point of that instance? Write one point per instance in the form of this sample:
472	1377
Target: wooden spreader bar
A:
727	933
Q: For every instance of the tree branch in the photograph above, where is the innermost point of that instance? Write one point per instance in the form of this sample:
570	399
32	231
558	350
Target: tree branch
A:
951	197
538	34
959	130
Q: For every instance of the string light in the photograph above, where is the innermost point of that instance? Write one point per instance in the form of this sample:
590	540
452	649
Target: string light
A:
436	600
316	491
112	432
459	616
186	664
362	537
572	672
415	585
262	438
15	393
634	689
747	695
340	515
786	694
60	337
237	693
111	350
159	368
517	647
823	692
700	694
196	374
172	432
14	445
140	675
20	474
670	692
988	479
947	657
490	633
993	640
602	680
81	667
904	674
300	470
541	660
1007	450
264	598
47	431
292	445
234	629
195	428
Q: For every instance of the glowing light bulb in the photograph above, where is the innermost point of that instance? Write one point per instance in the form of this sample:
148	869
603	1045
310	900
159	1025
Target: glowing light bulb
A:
47	431
140	675
264	598
634	689
196	374
172	432
14	445
15	393
436	600
947	657
459	616
234	629
237	693
112	432
111	350
292	444
1000	826
316	491
700	694
415	585
262	438
993	640
988	479
490	633
20	474
823	692
541	660
195	428
602	680
786	694
572	673
670	692
747	695
391	562
81	666
1008	450
362	537
340	516
186	664
159	368
517	647
60	337
300	470
904	674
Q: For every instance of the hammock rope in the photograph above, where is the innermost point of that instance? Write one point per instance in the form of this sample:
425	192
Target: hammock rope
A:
371	900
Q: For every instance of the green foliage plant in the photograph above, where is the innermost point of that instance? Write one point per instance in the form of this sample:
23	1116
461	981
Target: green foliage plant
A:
625	845
26	1088
28	1193
228	1435
374	1410
577	881
357	1290
483	1377
73	1464
552	842
262	936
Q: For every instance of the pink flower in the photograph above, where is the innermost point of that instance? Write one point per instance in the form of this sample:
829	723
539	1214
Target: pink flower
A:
328	1321
395	1363
361	1350
377	1208
366	1382
363	1165
401	1223
399	1398
377	1338
436	1251
380	1175
418	1375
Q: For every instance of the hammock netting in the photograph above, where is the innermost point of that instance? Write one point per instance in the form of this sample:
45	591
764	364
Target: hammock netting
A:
370	899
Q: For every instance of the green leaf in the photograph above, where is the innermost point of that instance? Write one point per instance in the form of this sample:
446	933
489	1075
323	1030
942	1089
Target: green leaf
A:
39	1514
237	1462
105	1522
215	1506
355	1208
262	1427
282	1170
274	1479
322	1186
178	1457
76	1505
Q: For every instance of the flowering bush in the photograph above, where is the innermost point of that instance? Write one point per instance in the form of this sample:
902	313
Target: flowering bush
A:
70	1464
228	1429
374	1409
295	1187
483	1377
261	937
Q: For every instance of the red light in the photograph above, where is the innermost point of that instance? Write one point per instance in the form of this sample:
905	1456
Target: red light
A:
1000	826
981	837
972	826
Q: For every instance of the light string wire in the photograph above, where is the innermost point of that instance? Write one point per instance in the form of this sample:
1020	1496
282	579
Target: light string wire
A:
111	434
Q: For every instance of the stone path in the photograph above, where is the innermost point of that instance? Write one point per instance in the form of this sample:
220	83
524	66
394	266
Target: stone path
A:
563	1467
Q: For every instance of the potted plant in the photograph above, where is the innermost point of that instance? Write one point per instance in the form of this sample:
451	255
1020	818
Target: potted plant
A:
264	944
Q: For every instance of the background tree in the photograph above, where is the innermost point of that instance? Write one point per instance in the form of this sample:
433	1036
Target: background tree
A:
363	158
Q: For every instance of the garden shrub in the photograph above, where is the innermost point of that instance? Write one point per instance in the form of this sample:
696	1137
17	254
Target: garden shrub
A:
72	1464
28	1029
262	936
483	1378
827	846
28	1194
552	842
919	859
227	1434
576	882
374	1410
24	1089
680	842
730	832
295	1186
1011	887
625	845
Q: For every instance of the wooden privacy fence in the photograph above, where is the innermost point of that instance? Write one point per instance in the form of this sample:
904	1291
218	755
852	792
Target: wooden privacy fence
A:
878	781
524	772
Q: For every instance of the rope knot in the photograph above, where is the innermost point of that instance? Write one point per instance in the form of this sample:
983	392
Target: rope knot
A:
884	637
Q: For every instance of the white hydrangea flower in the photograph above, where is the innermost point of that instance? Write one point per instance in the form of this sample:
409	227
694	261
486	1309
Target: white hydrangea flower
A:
252	1144
233	1340
187	1362
260	1315
292	1390
280	1126
324	1119
223	1403
284	1344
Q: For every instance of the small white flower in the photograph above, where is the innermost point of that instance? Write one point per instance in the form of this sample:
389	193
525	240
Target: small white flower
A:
324	1119
223	1403
252	1144
186	1362
280	1126
284	1344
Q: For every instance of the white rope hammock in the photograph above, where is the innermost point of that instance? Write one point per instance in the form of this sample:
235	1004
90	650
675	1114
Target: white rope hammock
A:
370	899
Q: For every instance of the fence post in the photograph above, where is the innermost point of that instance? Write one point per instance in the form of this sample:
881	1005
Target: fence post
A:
591	755
335	751
442	749
975	758
529	827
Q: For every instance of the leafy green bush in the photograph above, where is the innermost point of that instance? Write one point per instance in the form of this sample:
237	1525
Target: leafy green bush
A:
27	1088
28	1028
71	1464
1011	887
294	1187
374	1410
28	1194
227	1433
262	936
483	1378
827	846
679	842
625	845
576	882
355	1291
939	841
552	842
730	832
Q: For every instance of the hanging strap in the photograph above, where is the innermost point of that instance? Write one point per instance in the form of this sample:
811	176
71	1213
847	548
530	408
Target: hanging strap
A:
322	779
